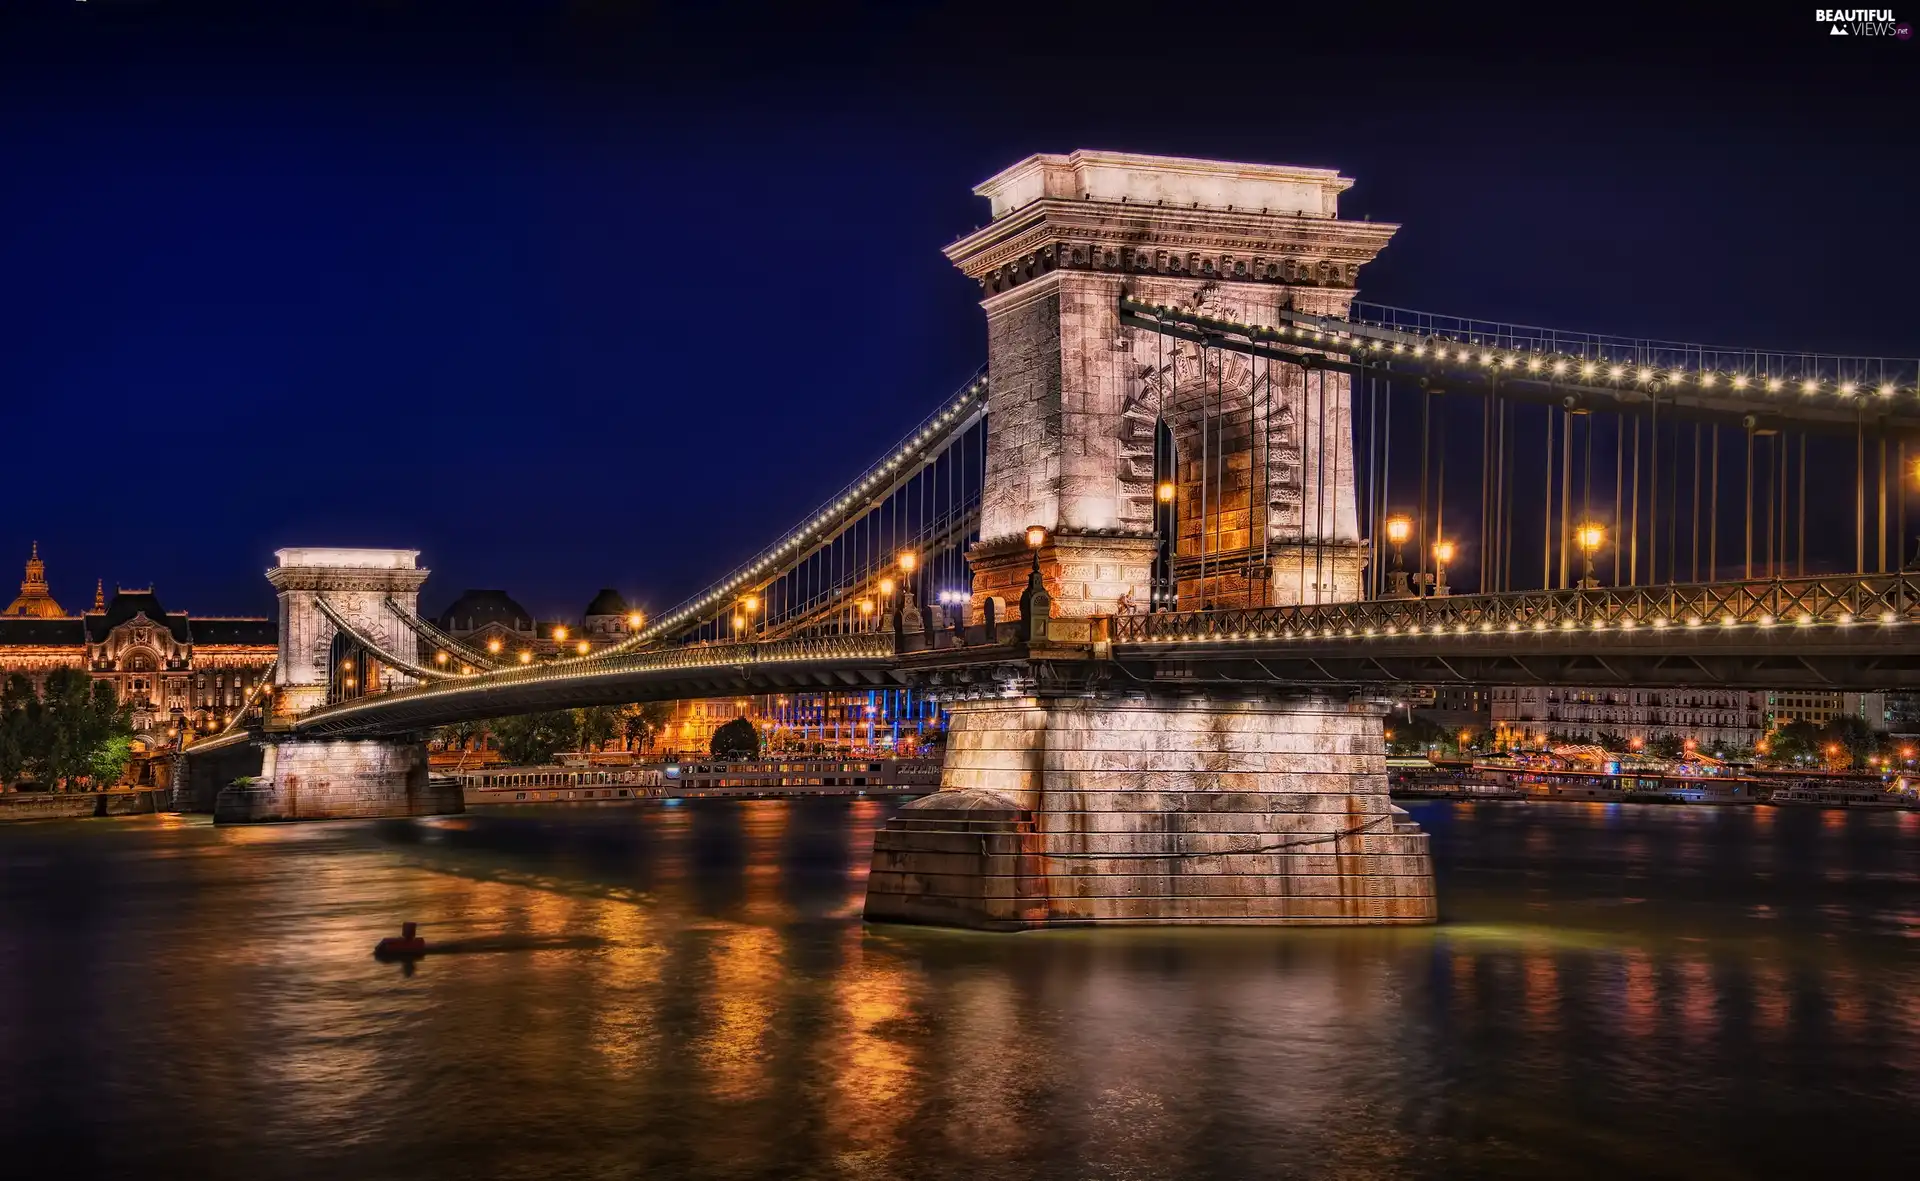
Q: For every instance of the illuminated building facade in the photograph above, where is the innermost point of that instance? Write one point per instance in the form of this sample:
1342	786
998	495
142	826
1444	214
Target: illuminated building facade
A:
1712	719
172	668
1821	706
867	720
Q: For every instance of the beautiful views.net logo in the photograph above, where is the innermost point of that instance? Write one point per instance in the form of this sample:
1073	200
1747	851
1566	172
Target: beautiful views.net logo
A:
1862	22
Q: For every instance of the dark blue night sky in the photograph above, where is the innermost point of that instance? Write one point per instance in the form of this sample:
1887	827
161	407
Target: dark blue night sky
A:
566	298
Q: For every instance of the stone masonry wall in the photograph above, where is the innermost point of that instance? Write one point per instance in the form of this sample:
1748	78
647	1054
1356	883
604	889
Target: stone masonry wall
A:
338	779
1023	404
1160	810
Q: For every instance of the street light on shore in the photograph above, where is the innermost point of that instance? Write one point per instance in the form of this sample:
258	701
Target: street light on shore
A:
1442	554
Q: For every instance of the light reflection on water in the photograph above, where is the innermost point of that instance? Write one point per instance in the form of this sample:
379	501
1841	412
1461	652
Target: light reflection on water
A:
689	992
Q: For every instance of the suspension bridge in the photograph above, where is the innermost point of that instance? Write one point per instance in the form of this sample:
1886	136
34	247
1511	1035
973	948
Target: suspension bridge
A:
1154	559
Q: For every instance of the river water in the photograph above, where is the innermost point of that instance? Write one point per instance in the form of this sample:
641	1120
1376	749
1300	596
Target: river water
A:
688	991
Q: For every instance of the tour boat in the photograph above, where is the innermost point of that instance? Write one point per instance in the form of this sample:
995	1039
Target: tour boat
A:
1816	794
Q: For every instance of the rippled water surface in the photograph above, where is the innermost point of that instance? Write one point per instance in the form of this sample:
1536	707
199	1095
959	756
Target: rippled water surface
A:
688	991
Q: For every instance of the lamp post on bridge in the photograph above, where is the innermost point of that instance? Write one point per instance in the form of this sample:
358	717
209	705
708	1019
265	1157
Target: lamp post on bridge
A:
908	619
1399	528
1442	554
1162	594
1590	537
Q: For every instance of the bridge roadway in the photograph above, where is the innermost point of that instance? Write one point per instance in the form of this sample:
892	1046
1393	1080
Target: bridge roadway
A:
1838	632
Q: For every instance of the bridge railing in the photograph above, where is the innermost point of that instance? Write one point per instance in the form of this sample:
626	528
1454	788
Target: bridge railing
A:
1835	600
1830	368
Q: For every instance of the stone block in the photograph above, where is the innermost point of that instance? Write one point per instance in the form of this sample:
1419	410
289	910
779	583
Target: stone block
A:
338	779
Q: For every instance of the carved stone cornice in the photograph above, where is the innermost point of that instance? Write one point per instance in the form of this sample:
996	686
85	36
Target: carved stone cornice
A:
1052	235
335	578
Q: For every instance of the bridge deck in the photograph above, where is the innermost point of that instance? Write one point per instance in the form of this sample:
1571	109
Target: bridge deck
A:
1856	632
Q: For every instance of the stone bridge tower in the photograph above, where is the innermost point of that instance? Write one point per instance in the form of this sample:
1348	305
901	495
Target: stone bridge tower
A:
1076	397
355	583
280	774
1071	795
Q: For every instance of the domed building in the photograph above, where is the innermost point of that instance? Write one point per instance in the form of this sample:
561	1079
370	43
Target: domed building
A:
35	601
608	618
479	617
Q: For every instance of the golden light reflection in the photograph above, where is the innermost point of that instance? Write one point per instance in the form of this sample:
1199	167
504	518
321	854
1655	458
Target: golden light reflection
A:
872	1089
740	1005
629	967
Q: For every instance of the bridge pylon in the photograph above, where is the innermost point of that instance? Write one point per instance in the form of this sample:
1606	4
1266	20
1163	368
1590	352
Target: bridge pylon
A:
1070	795
340	638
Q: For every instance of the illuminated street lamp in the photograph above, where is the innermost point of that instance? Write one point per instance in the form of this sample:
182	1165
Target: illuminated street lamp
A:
634	620
439	657
908	562
493	645
1442	554
1399	528
1165	492
581	647
1589	537
559	635
526	657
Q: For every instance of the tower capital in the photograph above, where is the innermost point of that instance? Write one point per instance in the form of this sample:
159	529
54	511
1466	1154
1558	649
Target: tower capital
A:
1201	220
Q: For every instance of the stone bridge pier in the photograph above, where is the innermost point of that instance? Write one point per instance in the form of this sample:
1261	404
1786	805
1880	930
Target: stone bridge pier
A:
1073	797
312	778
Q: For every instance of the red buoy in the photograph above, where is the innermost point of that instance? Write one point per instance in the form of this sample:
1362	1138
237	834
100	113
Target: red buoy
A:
408	944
